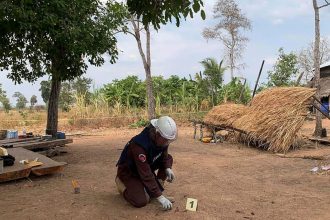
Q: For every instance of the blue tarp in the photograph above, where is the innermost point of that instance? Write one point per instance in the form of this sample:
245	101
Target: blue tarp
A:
325	107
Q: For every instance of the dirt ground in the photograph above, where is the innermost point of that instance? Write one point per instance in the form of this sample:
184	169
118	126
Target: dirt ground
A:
230	181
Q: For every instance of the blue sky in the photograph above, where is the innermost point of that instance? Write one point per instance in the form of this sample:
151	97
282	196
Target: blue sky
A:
275	24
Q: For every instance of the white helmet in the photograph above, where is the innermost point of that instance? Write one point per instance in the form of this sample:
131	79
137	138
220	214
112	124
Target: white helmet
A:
165	126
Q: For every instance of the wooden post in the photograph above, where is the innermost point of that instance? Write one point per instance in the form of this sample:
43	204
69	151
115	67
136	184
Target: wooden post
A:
214	134
257	82
195	128
317	108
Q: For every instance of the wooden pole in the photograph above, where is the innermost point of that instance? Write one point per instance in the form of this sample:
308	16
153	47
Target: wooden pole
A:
321	104
316	107
257	82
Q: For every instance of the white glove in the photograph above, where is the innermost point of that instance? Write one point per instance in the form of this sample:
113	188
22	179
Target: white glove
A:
166	204
170	175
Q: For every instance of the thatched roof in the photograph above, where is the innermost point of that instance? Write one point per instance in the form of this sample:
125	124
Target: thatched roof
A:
224	115
274	117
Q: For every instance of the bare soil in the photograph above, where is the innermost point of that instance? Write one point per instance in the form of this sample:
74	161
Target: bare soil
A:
230	181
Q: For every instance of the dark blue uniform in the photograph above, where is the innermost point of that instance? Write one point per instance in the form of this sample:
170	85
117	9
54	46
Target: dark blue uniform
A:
137	165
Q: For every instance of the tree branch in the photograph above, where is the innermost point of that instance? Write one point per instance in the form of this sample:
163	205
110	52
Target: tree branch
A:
325	5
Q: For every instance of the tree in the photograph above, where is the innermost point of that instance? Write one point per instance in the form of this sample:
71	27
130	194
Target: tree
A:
158	12
4	100
284	71
6	104
228	30
56	37
20	101
306	59
33	100
66	98
81	87
318	125
45	90
155	12
146	59
236	92
213	73
127	92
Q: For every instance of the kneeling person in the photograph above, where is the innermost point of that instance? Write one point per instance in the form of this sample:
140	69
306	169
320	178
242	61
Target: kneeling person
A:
142	156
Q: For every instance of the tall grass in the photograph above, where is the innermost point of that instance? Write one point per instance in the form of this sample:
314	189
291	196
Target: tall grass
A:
96	113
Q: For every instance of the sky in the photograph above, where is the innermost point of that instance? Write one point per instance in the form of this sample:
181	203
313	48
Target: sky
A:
275	24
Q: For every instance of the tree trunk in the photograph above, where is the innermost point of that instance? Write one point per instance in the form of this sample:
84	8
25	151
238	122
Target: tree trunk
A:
299	78
318	126
147	67
52	116
231	57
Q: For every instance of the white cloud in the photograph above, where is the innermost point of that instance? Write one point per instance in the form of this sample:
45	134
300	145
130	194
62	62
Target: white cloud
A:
276	12
277	21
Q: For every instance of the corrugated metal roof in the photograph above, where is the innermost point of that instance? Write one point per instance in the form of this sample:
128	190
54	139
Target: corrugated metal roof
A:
325	64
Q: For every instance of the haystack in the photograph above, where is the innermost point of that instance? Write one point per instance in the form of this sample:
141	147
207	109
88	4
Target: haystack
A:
274	117
224	115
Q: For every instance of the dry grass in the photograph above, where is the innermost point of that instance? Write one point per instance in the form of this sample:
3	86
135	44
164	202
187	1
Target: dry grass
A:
273	119
225	115
84	117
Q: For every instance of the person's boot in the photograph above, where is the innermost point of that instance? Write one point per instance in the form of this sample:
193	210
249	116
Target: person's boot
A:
161	182
120	185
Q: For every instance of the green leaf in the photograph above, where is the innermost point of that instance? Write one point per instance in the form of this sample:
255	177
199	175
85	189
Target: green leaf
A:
191	13
196	7
203	14
177	22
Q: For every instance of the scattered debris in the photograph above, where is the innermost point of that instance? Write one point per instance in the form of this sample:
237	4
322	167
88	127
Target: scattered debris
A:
320	169
315	169
326	168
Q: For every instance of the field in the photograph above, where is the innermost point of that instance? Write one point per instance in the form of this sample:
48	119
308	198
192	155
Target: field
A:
230	181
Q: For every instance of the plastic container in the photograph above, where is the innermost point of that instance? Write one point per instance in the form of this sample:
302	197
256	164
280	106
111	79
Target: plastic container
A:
325	107
12	134
60	135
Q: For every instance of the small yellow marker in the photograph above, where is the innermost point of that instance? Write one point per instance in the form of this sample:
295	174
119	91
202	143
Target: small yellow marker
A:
75	186
191	204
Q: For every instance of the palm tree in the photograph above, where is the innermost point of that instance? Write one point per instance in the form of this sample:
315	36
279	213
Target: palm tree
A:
213	73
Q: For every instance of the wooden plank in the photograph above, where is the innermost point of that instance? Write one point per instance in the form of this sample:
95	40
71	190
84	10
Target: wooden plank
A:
11	141
44	144
320	140
49	166
17	171
311	157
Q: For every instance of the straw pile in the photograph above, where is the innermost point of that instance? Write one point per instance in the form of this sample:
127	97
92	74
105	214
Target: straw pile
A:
274	117
224	115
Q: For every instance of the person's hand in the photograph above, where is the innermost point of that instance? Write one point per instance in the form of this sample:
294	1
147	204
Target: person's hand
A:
166	204
170	175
